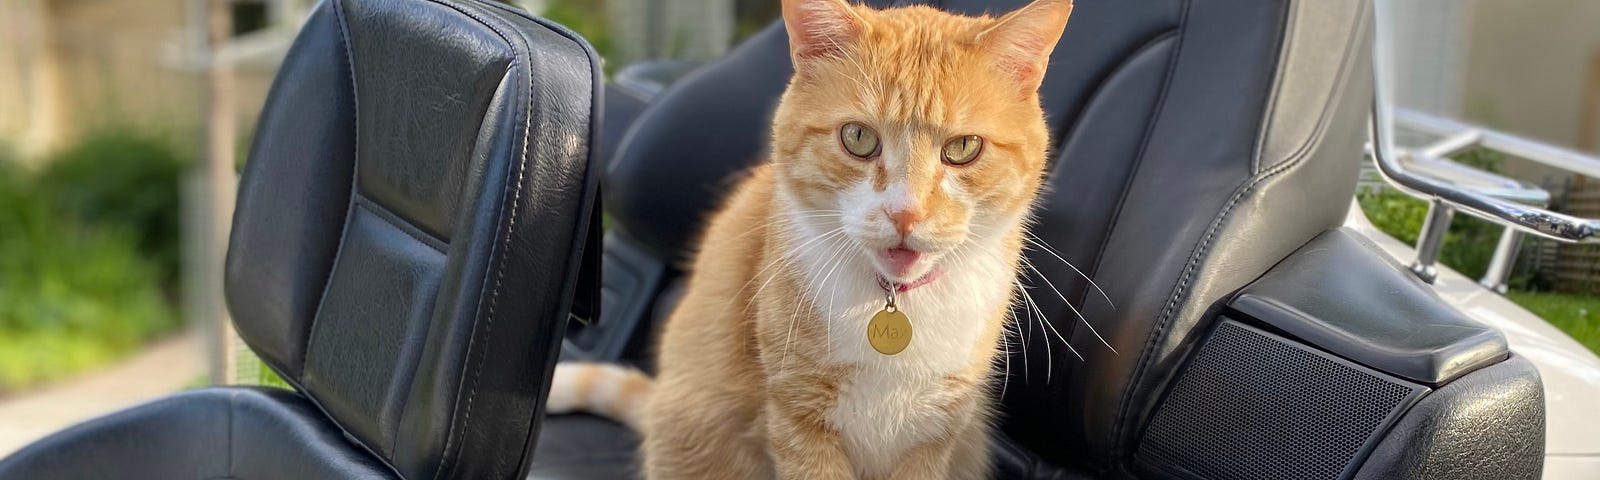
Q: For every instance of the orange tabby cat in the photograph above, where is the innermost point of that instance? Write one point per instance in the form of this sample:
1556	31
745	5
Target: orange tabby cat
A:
906	151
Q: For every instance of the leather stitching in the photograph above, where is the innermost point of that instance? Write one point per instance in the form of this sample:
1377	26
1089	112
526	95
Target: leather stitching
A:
494	295
1177	52
1203	249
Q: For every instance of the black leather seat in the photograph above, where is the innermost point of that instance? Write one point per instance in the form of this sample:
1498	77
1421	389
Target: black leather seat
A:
1198	144
406	251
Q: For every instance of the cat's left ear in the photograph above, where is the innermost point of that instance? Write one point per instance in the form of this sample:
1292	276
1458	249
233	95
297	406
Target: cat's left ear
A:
1021	41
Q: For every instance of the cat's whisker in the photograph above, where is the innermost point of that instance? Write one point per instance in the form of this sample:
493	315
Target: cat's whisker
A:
1049	360
789	220
1031	238
1005	379
794	318
801	250
833	290
1069	306
1016	326
1052	326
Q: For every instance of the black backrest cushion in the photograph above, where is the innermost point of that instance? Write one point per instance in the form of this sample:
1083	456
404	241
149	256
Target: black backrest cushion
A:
688	147
1197	143
410	224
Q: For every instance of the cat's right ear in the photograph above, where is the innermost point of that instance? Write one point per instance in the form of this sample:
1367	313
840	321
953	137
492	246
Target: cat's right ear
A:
820	28
1021	41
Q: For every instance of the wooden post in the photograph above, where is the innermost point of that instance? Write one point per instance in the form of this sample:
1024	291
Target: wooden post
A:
218	177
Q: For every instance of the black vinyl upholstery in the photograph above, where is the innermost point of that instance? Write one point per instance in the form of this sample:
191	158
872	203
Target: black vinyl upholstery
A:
1399	326
1197	144
406	248
201	434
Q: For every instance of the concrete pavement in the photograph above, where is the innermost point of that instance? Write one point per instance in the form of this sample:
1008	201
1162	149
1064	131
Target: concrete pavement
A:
165	367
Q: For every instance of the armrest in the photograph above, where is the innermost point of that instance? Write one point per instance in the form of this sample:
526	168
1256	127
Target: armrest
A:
1340	363
1341	294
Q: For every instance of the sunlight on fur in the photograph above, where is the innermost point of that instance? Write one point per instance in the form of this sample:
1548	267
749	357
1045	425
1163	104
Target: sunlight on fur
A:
906	154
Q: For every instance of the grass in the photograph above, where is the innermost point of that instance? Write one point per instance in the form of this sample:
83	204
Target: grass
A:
1468	245
1578	315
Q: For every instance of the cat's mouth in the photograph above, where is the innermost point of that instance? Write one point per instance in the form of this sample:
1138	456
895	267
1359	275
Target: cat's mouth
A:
902	263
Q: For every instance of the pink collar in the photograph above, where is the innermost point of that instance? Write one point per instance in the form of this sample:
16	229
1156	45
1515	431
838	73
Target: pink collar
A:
906	287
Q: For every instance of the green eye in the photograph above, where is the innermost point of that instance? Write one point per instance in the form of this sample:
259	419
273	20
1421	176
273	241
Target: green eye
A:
963	150
859	140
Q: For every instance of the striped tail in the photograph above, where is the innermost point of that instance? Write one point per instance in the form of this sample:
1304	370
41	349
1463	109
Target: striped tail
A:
607	390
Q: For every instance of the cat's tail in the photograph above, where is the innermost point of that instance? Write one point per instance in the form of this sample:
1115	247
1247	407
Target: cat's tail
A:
612	391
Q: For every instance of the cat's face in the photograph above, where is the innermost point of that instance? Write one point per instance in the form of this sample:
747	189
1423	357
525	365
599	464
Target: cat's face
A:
917	132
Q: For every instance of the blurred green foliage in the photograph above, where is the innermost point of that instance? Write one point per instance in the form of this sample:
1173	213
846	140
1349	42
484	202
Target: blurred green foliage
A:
750	16
587	18
88	255
123	179
270	378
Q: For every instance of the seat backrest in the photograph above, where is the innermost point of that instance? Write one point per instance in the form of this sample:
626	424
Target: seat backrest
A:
411	224
1197	143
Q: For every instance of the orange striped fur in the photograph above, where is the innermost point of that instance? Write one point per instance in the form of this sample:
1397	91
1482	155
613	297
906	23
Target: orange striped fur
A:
764	368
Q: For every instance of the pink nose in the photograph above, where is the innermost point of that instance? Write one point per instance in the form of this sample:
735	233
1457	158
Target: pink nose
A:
904	220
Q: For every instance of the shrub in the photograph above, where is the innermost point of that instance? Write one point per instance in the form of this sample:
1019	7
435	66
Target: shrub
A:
127	180
587	19
72	296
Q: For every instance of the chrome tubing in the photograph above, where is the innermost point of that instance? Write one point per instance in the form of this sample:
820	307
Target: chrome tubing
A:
1445	198
1504	259
1538	221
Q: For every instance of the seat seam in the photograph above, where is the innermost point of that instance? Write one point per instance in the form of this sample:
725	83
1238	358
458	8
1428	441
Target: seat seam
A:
1180	287
389	217
1144	142
1203	248
301	381
355	172
1116	216
516	193
1102	82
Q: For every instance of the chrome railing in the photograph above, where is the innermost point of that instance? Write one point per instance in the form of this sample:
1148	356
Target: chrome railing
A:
1449	187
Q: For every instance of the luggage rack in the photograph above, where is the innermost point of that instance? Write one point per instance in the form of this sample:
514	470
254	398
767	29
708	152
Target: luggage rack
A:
1448	187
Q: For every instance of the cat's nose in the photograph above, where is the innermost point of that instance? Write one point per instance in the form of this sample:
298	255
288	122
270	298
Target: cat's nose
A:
904	220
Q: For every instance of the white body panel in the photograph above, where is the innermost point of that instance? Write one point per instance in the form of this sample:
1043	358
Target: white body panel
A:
1571	372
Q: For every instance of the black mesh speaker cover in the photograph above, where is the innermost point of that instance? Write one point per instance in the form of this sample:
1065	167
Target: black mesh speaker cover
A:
1254	405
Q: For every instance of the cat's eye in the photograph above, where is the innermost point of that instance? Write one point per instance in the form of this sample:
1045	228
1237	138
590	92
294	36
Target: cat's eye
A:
962	150
859	140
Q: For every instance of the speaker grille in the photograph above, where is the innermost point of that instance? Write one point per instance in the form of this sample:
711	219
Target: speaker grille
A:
1253	405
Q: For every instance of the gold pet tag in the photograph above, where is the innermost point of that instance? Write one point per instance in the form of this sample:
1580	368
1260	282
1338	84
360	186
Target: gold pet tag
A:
889	332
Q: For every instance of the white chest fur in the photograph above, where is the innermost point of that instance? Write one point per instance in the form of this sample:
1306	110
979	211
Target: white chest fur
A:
894	402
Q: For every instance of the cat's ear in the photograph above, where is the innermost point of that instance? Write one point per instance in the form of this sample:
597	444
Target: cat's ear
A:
819	28
1021	41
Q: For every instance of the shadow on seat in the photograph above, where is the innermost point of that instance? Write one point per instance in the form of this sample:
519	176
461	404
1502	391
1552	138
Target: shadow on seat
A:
1196	145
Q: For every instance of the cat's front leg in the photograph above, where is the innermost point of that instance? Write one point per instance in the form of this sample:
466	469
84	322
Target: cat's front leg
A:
959	457
802	444
961	454
930	461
